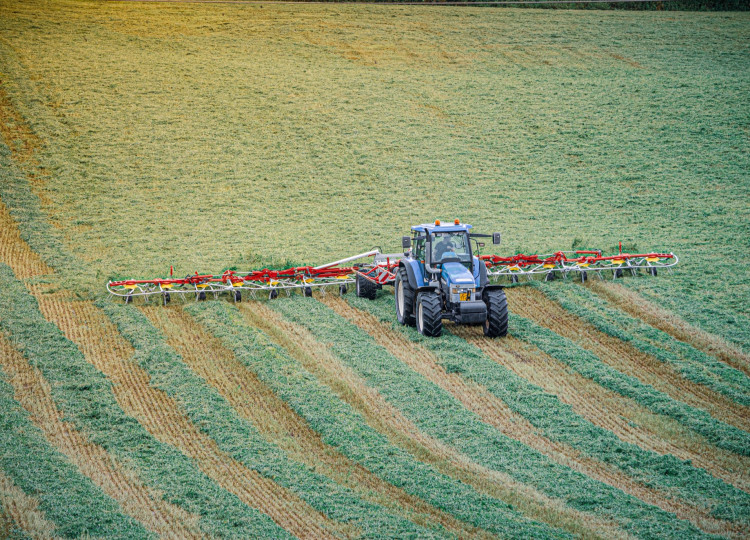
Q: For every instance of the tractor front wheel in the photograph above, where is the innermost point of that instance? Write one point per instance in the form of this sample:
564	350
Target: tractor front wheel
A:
404	298
365	288
429	314
496	324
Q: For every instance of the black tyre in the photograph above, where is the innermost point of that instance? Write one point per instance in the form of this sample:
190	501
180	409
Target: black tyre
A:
429	314
129	299
365	288
584	277
167	298
514	278
342	290
496	324
550	276
273	294
618	273
202	295
308	291
238	296
404	298
652	271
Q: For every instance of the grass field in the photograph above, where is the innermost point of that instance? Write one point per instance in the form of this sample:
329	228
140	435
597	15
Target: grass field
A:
135	137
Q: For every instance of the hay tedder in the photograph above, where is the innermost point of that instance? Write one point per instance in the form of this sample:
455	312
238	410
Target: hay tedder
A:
436	276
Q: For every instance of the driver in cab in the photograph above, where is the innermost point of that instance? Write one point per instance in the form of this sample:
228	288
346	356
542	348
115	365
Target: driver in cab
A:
444	248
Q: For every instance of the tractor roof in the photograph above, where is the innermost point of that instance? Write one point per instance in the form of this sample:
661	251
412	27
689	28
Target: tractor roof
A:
432	228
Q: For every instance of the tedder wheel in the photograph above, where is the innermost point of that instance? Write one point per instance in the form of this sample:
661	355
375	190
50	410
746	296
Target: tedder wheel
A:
496	324
514	278
584	277
167	298
202	295
404	298
128	298
550	276
652	271
429	314
365	288
342	290
238	296
273	294
308	291
618	273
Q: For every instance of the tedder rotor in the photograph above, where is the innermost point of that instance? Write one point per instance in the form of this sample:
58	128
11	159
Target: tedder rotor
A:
437	276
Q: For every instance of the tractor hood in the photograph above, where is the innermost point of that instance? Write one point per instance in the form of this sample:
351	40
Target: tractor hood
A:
457	274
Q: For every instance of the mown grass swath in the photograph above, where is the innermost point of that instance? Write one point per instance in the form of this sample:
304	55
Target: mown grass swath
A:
85	396
443	417
345	429
559	422
240	439
691	363
590	366
69	499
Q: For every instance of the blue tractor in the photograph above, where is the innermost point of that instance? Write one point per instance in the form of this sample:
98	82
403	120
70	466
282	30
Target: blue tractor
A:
440	278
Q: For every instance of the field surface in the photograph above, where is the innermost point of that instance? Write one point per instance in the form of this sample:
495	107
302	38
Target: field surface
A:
135	137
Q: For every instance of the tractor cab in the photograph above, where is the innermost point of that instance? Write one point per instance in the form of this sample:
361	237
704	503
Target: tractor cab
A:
440	278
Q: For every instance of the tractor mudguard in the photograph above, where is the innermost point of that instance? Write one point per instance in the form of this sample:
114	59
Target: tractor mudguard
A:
480	273
413	272
493	287
427	288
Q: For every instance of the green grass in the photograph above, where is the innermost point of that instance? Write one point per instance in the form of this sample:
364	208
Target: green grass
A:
85	398
346	430
440	415
240	439
590	366
68	499
694	365
550	126
557	420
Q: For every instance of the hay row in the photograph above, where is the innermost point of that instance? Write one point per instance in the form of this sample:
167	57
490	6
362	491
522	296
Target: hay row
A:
256	402
32	391
623	416
637	306
23	511
317	358
496	413
103	347
533	305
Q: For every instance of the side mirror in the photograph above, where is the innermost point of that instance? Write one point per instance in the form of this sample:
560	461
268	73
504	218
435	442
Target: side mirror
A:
496	238
406	242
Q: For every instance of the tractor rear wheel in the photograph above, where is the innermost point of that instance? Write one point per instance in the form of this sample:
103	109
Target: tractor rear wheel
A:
365	288
429	314
404	298
496	324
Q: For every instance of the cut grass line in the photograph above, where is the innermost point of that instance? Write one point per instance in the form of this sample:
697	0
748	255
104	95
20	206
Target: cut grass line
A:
495	412
692	363
637	306
237	436
15	252
344	429
439	414
90	401
316	357
623	416
103	346
535	306
23	512
256	402
33	393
